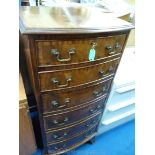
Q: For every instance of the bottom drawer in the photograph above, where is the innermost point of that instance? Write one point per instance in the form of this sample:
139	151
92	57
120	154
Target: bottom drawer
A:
62	146
68	132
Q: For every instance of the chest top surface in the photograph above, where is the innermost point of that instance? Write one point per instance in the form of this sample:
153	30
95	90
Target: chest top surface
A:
38	20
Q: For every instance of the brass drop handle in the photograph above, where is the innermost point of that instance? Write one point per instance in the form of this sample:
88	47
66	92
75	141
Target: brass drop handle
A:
117	46
67	100
61	122
111	69
109	49
60	147
91	123
112	50
95	109
87	125
60	137
94	44
86	135
97	94
55	81
101	72
56	53
55	104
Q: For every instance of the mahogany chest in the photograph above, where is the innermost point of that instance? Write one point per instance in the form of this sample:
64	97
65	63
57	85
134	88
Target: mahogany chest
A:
72	55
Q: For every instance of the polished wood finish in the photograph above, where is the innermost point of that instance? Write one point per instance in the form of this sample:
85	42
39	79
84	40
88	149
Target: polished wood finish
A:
58	79
27	144
69	131
71	89
54	147
65	99
70	20
81	48
72	116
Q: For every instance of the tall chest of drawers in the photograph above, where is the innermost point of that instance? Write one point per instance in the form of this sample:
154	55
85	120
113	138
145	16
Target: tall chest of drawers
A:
72	54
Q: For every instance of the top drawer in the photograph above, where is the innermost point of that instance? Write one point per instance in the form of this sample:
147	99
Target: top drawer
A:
58	52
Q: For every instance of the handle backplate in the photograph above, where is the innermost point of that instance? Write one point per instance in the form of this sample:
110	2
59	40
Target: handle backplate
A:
56	53
55	81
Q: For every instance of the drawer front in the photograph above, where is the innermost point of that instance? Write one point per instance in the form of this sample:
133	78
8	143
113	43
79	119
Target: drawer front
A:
69	132
55	52
59	79
62	99
54	148
74	116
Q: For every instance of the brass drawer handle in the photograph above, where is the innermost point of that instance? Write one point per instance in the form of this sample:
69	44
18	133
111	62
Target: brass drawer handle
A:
67	100
97	94
55	81
56	53
60	147
109	49
61	122
112	50
110	71
101	72
117	46
60	137
95	109
86	135
93	44
55	104
91	123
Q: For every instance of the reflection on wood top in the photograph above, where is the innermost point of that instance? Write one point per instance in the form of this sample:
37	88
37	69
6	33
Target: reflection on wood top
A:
68	20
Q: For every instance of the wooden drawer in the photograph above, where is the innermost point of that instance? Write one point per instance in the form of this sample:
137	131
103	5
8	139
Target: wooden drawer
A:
57	147
59	79
62	52
60	57
64	99
73	116
62	134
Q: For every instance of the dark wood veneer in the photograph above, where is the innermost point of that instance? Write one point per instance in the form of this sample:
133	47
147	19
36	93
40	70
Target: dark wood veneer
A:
79	76
61	134
81	47
69	90
59	100
69	117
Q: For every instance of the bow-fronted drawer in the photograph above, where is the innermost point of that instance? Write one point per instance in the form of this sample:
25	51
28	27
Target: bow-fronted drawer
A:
73	116
59	100
68	132
75	51
75	141
60	79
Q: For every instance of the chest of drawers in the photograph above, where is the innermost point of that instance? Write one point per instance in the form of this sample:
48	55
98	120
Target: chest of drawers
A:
72	55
